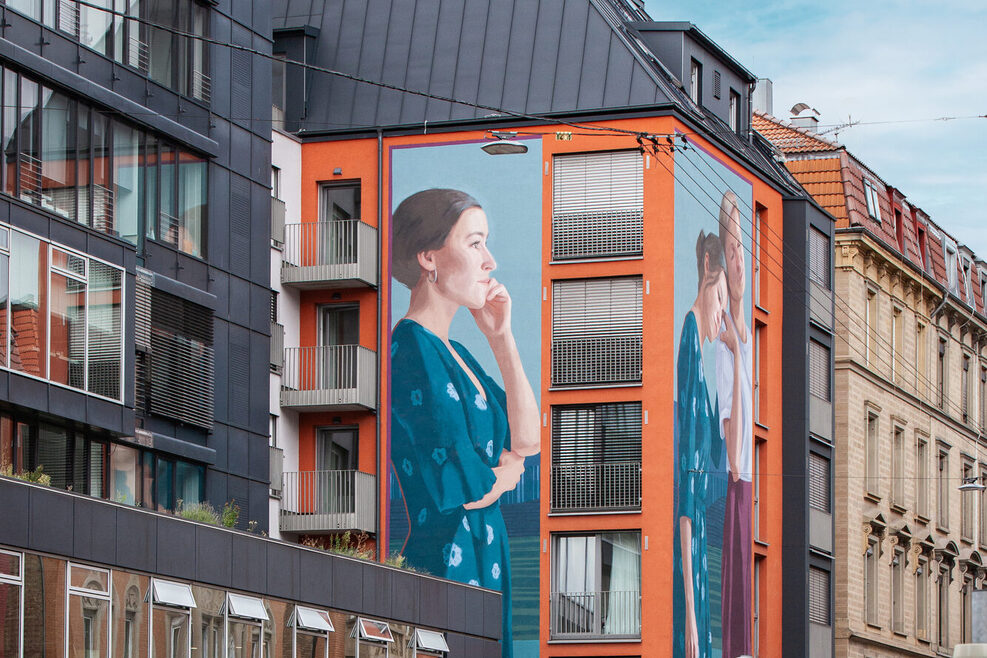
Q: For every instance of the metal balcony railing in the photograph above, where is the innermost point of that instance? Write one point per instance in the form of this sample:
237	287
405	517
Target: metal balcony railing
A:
596	360
328	501
138	52
277	222
596	487
277	348
201	86
329	378
595	615
30	179
276	461
68	17
340	253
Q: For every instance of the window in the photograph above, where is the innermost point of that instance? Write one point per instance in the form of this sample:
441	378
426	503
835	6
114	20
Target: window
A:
245	617
982	399
11	602
898	475
759	452
278	89
819	376
899	230
921	476
819	257
967	502
966	614
898	345
819	612
941	373
311	629
965	381
983	508
756	383
967	282
86	166
735	123
952	273
596	457
717	84
819	483
921	360
596	331
87	624
942	489
873	453
171	619
942	614
597	205
871	586
873	200
922	598
898	591
873	329
596	585
759	212
431	642
696	82
756	612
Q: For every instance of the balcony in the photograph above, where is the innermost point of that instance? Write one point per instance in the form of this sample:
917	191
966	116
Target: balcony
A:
276	465
607	615
609	487
336	254
314	502
329	378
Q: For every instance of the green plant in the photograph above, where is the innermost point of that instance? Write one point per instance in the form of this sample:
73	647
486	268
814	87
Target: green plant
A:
201	512
37	476
231	514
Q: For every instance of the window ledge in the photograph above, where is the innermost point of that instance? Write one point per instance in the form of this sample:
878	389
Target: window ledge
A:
762	426
921	518
586	387
898	508
762	543
596	259
760	308
872	497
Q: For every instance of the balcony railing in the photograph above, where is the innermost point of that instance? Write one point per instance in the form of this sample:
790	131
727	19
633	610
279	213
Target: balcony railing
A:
595	615
596	360
276	461
336	254
596	487
277	348
328	501
277	222
329	378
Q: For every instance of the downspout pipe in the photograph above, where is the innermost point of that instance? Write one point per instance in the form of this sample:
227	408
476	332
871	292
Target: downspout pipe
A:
381	462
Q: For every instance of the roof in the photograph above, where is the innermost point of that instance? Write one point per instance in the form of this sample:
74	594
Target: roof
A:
790	138
700	36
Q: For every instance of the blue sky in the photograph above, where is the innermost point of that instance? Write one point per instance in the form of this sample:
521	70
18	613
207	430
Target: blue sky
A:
898	63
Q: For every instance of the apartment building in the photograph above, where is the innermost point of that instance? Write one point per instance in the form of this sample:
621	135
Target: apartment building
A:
599	175
134	354
910	385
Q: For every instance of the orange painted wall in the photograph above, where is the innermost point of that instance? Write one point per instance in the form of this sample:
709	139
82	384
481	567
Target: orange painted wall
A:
358	160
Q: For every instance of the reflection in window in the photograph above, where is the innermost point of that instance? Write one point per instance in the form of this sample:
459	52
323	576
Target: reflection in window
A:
11	581
67	325
28	269
88	623
105	338
58	138
44	604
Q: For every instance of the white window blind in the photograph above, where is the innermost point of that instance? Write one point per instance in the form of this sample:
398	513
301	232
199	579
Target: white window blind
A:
596	331
819	370
818	596
598	205
819	482
819	250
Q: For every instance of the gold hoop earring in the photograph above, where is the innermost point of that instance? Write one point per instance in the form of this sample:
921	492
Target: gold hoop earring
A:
433	275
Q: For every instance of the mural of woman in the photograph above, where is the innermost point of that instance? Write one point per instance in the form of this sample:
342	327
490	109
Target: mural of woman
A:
734	372
699	447
458	440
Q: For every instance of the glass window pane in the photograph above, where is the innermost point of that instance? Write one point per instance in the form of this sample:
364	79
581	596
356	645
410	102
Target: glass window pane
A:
311	645
25	448
68	330
129	616
189	481
147	480
191	202
9	143
58	124
85	578
10	610
31	8
170	629
84	137
119	6
44	605
123	474
97	25
149	164
28	304
166	172
101	191
29	170
164	495
207	622
126	181
161	44
10	565
88	627
53	455
97	468
4	288
181	55
8	458
244	639
105	330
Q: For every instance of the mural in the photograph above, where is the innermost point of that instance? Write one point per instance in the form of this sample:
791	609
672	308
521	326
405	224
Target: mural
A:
465	424
713	412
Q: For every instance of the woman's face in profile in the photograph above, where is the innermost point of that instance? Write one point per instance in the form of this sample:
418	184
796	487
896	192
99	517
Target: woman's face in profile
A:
464	264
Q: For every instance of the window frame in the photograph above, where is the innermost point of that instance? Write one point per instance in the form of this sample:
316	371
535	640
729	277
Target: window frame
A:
104	596
921	476
872	556
18	582
898	590
873	200
872	452
696	81
898	473
942	487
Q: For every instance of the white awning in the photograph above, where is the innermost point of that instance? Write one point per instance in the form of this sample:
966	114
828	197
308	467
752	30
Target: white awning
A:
166	592
247	607
430	640
311	619
371	629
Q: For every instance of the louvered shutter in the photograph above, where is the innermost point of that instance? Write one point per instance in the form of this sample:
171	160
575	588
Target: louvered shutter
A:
819	370
818	482
598	205
596	331
819	251
818	596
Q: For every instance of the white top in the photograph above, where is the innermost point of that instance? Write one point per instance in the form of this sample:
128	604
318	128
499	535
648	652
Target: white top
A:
724	393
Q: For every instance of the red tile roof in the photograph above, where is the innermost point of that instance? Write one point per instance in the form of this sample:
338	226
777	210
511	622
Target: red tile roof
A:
789	138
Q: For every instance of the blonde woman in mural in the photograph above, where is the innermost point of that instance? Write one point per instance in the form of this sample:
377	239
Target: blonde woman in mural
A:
734	372
458	440
699	447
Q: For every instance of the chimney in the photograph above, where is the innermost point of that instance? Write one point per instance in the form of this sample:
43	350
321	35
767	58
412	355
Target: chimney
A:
806	117
764	96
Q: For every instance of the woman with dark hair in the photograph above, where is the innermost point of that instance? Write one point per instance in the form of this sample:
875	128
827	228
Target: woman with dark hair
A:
699	446
458	440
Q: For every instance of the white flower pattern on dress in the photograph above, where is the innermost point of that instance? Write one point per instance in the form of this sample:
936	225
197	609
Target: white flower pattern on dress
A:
451	390
495	571
466	524
490	534
452	554
480	403
489	449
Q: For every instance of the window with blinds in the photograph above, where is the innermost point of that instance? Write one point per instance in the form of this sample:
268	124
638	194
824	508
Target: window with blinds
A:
596	331
819	256
174	339
819	596
596	457
819	483
819	382
597	205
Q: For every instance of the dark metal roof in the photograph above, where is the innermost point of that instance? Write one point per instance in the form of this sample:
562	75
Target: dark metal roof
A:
523	56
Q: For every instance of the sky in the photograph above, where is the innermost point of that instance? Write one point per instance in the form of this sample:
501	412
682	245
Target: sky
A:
895	66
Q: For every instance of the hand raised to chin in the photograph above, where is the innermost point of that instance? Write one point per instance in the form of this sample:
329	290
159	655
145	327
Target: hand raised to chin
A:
494	317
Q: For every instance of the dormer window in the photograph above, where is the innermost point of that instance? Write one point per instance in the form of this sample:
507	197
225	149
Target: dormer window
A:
873	200
952	276
696	82
967	280
734	111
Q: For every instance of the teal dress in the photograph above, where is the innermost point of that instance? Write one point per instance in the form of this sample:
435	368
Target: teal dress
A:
445	440
699	445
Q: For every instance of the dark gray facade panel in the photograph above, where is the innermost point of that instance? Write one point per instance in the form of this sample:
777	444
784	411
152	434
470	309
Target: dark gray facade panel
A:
237	457
173	541
260	310
239	303
15	522
221	356
259	413
496	46
517	65
71	405
347	580
544	58
136	541
282	569
218	443
257	507
316	581
377	593
475	623
568	69
592	86
433	602
472	42
94	531
28	392
258	457
213	556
